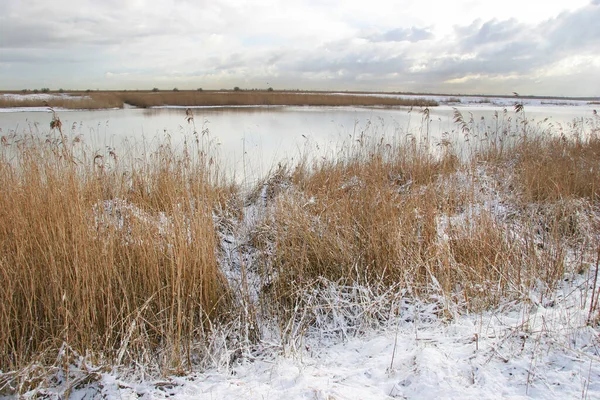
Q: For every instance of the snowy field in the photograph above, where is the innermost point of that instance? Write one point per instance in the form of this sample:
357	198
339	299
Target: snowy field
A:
41	96
533	350
37	97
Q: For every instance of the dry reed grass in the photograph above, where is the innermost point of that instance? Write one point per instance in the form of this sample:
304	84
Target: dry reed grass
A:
397	214
554	178
551	169
243	98
104	259
144	99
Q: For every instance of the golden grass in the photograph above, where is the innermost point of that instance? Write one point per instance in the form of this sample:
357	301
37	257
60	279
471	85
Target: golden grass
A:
243	98
551	169
397	214
115	261
146	99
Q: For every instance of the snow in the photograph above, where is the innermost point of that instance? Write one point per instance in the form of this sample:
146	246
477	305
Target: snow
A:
27	109
42	96
532	349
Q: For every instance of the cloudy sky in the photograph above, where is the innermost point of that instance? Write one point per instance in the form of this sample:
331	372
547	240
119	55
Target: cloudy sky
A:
461	46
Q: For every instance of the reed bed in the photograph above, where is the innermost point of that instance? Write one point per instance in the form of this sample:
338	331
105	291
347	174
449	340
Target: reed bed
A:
138	262
553	169
266	98
398	215
108	258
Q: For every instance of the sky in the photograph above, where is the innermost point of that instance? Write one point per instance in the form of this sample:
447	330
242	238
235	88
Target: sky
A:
460	46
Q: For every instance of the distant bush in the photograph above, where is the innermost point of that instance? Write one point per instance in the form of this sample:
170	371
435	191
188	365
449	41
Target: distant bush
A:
45	90
199	89
155	89
270	89
61	90
175	90
35	91
237	89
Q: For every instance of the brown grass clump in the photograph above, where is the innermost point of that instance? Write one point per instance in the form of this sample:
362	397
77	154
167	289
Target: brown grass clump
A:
102	259
553	179
487	260
551	169
370	218
398	214
544	166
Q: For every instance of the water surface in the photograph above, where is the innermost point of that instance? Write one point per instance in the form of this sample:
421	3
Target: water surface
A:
251	140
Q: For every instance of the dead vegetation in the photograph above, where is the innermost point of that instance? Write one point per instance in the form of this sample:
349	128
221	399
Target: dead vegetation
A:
105	258
122	261
144	99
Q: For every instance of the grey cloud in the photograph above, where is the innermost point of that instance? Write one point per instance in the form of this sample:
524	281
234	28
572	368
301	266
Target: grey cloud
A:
507	47
570	31
40	25
41	34
574	31
353	64
402	35
496	48
347	57
149	42
233	61
490	32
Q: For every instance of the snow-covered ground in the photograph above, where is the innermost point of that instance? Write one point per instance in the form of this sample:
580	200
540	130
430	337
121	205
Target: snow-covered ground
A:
41	96
37	97
526	350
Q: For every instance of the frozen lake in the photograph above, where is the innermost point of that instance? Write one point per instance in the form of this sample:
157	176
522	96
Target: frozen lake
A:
251	140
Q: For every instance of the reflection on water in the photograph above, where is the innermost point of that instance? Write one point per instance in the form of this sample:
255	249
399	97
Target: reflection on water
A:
250	140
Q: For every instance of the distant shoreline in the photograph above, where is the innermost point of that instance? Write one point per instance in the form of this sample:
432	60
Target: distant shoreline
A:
93	100
156	98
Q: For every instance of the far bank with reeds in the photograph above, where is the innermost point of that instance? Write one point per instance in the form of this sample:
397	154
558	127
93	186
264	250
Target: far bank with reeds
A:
145	99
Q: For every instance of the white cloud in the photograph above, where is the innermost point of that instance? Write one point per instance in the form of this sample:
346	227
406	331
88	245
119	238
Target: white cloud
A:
378	45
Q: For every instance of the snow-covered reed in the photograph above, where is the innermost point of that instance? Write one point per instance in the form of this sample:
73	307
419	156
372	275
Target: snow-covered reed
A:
155	265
